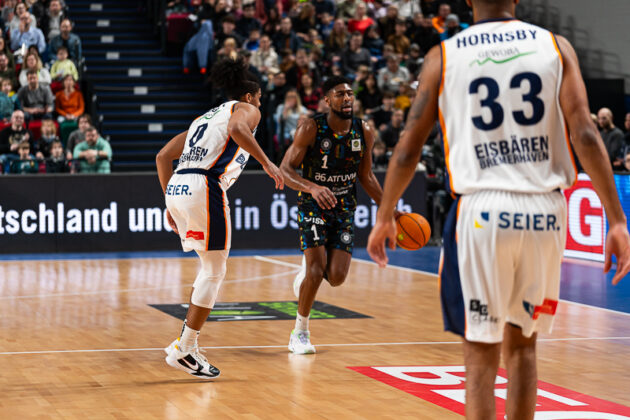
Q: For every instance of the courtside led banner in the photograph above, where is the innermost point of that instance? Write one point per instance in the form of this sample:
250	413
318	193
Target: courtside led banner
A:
126	212
445	386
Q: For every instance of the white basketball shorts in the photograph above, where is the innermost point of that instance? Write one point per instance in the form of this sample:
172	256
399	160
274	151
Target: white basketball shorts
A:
201	212
501	263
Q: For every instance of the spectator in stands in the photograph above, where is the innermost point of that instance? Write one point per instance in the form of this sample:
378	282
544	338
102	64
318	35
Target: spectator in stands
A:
253	42
398	39
14	23
337	40
304	21
452	27
286	37
404	97
360	21
302	65
383	114
324	6
265	58
391	76
422	32
51	21
612	136
369	94
229	49
6	72
69	103
287	116
248	21
25	163
325	25
4	48
63	67
69	40
309	94
77	136
7	103
373	43
391	133
37	100
346	9
387	24
28	35
43	145
379	155
415	61
199	47
94	154
272	24
439	21
11	136
33	62
8	11
228	26
407	8
176	6
56	162
354	56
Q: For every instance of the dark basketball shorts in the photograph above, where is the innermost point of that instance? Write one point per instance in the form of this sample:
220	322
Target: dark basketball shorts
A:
333	229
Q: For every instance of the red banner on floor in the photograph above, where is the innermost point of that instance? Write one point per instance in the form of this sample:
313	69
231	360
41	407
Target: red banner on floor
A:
444	386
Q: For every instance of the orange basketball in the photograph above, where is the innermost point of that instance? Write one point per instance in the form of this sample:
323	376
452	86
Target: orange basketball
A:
412	231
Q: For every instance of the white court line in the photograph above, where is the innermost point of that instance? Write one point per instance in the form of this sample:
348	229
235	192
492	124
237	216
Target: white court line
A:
412	270
408	343
141	289
277	262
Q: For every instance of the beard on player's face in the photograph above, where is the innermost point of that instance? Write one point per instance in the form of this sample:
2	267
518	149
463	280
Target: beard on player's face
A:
342	114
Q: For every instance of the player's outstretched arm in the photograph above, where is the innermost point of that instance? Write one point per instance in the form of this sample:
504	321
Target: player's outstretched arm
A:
590	150
303	139
165	157
243	122
407	154
366	175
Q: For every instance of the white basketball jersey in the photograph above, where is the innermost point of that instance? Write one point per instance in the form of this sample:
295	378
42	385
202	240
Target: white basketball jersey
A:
208	146
499	110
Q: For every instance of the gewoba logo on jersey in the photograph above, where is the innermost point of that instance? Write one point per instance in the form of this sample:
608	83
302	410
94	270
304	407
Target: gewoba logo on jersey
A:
586	221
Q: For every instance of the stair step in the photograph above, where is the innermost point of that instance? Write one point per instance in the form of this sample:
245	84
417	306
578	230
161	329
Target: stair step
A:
138	144
83	12
137	135
105	25
130	61
123	69
89	37
185	115
146	124
135	105
133	166
120	45
141	52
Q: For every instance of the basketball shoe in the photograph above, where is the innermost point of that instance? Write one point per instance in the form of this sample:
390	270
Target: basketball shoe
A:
171	346
192	362
299	278
300	342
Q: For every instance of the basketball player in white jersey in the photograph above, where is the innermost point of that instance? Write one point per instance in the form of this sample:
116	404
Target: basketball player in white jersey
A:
502	91
212	153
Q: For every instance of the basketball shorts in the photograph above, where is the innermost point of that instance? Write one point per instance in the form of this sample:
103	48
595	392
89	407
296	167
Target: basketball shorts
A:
333	229
501	263
201	212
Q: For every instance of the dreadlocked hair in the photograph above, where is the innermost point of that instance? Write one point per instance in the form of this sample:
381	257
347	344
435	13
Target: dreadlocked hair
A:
232	76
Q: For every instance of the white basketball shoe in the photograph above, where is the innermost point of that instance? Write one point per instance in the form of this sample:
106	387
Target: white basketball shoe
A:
300	342
299	278
192	362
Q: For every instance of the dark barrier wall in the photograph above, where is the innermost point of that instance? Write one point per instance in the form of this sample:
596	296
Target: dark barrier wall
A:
125	212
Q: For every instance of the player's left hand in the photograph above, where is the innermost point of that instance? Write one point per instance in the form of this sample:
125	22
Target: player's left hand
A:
171	221
383	230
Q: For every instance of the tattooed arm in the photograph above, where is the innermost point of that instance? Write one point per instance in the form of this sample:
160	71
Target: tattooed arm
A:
402	165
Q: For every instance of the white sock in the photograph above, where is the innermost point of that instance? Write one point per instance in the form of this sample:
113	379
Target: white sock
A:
301	323
188	339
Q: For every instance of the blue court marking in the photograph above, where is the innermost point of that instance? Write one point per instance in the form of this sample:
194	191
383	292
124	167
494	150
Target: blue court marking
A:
583	283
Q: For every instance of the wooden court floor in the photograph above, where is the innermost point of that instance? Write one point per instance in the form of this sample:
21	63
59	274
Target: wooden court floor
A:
79	340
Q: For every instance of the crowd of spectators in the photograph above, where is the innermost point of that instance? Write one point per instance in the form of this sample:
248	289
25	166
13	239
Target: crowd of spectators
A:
41	103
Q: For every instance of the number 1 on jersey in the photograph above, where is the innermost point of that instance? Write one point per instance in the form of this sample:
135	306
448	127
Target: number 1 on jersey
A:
314	229
325	160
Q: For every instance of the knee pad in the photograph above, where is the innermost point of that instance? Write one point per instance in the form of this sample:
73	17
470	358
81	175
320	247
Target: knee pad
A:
209	279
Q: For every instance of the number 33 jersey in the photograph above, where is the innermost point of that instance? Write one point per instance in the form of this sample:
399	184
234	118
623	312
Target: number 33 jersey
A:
499	110
208	146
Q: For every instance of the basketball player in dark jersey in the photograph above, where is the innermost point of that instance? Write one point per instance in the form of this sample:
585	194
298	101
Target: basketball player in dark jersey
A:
333	150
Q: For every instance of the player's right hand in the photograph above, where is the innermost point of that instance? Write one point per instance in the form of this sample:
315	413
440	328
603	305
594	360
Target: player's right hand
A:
275	174
171	221
618	243
383	230
324	197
